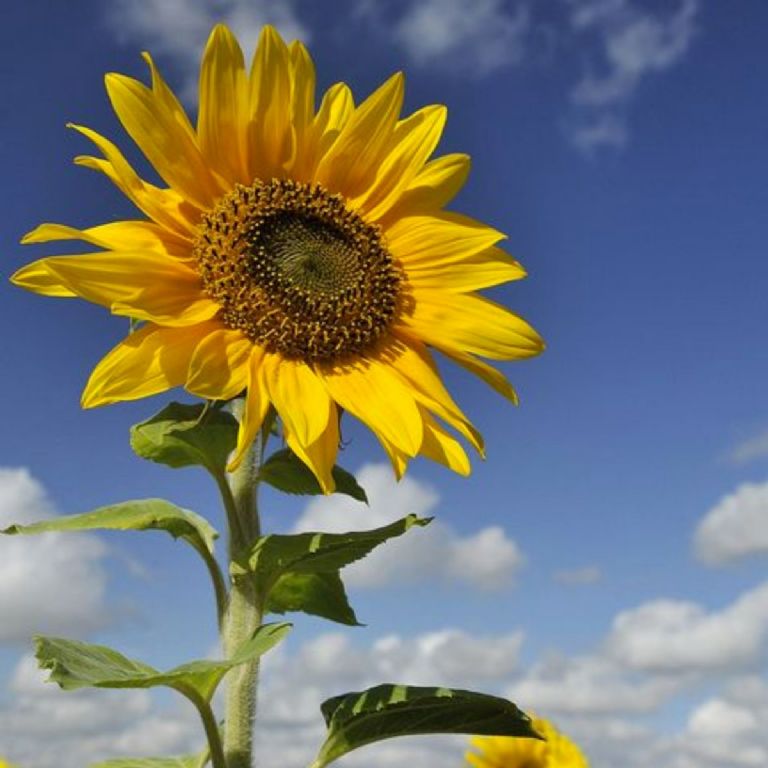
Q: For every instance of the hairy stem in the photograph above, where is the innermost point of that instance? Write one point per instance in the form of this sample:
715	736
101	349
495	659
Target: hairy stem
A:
243	612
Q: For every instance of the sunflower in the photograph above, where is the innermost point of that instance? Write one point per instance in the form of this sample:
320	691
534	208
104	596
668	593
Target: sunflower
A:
556	751
301	255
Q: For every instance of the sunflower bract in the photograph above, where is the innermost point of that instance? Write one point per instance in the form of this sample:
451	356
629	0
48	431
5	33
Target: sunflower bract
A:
297	253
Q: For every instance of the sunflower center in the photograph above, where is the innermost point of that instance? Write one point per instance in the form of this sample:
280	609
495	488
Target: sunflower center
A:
296	271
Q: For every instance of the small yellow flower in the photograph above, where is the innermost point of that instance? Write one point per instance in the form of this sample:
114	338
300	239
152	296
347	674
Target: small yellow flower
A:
557	751
299	253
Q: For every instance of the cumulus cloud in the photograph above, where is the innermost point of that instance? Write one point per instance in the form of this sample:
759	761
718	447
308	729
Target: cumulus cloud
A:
179	28
487	559
588	685
475	39
729	729
736	527
635	42
678	636
84	726
51	583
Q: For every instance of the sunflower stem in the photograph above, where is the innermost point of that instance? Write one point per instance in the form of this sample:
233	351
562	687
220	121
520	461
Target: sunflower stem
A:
243	615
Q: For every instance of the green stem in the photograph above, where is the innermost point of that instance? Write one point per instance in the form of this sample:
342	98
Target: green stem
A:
209	723
219	584
244	611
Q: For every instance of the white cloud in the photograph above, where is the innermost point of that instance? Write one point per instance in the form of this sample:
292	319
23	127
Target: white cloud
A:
588	685
736	527
635	42
51	582
589	574
724	731
81	727
678	636
487	559
754	448
477	38
179	28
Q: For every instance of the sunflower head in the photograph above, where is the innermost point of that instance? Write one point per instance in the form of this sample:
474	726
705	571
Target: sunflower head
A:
555	750
296	252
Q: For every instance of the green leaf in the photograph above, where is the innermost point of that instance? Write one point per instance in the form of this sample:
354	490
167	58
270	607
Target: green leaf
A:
387	711
320	594
74	664
138	515
187	435
183	761
315	552
288	473
278	562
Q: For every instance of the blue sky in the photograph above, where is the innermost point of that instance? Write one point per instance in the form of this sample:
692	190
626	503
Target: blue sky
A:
612	547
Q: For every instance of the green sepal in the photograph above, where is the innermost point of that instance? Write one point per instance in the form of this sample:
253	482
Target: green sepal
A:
137	515
319	594
388	711
288	473
182	435
272	558
74	664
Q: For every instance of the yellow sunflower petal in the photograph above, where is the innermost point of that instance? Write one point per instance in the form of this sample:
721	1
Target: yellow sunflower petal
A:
351	163
376	395
320	456
490	375
222	117
413	142
302	109
36	277
416	366
299	397
440	446
155	120
255	411
269	135
474	324
439	239
140	284
219	368
117	236
436	184
335	111
397	458
165	206
480	270
149	361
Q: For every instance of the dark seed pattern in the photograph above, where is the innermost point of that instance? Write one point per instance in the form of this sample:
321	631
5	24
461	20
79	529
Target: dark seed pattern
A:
296	271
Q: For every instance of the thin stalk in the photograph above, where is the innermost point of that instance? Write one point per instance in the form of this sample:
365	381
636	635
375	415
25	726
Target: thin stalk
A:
236	533
219	584
211	728
244	611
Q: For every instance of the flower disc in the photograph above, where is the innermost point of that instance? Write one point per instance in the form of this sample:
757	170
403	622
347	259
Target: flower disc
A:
297	272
